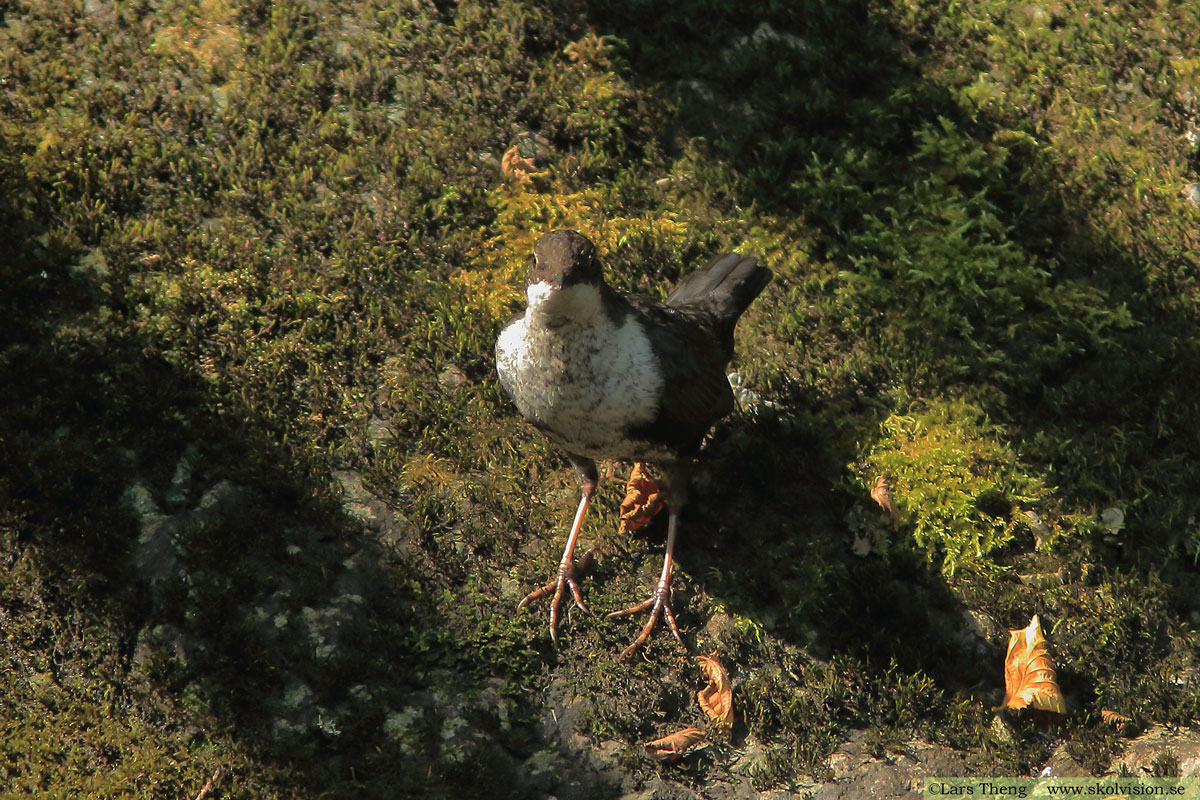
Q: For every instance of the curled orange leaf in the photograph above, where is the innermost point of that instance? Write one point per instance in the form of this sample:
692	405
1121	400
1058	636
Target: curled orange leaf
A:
1114	718
1029	680
514	165
881	494
675	746
716	699
643	499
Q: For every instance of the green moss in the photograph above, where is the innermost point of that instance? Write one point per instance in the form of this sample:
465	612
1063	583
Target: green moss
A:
280	237
958	487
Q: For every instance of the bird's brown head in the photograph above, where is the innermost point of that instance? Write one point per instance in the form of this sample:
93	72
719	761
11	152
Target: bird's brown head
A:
562	259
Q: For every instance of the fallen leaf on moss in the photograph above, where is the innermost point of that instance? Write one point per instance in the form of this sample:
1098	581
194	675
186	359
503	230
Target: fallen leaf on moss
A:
881	494
207	788
1029	680
1114	718
643	499
675	746
514	165
716	699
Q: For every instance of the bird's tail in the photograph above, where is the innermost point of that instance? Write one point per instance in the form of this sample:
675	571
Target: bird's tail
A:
724	288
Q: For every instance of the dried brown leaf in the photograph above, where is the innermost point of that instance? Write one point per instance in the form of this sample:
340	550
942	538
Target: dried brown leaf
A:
514	165
716	699
643	499
881	494
207	788
1114	718
674	746
1029	679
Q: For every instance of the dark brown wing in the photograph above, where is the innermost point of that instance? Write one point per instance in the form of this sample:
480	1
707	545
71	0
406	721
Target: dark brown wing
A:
692	358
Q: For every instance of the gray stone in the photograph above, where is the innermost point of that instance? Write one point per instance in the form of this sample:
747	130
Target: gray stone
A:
181	481
1062	764
1158	742
857	773
392	527
452	377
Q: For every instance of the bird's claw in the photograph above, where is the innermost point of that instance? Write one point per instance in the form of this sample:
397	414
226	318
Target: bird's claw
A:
566	579
658	604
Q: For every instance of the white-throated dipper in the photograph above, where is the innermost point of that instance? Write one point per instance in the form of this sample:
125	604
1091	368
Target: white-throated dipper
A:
609	375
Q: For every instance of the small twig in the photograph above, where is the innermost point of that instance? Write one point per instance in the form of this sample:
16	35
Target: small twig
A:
212	782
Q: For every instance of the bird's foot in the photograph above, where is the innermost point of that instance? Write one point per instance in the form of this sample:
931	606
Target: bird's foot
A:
567	579
659	605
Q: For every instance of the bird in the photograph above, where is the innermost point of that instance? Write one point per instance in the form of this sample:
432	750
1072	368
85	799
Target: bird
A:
609	375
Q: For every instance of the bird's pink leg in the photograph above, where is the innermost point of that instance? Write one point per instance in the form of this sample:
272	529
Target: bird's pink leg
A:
568	570
659	603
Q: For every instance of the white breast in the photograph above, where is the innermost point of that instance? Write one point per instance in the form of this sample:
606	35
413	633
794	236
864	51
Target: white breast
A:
584	383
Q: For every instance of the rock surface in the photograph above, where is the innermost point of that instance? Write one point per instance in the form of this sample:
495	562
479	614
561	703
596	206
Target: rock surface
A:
1156	750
